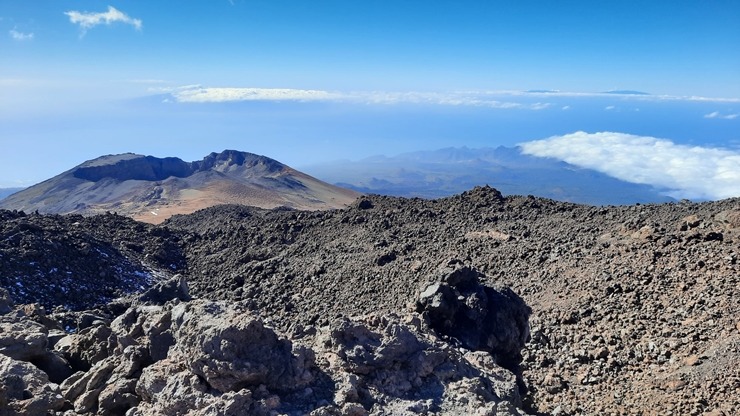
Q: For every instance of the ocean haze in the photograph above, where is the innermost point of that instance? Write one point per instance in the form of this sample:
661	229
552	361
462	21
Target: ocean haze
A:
449	171
305	133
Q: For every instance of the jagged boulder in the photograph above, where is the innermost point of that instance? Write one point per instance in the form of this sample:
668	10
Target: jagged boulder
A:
26	390
229	347
24	339
21	338
108	388
392	365
479	317
223	357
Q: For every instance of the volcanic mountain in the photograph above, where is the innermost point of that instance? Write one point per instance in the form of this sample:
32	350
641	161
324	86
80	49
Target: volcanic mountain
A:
152	189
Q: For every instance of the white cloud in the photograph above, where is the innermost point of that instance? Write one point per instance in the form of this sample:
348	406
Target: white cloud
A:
490	99
692	172
20	36
88	20
197	93
717	114
217	95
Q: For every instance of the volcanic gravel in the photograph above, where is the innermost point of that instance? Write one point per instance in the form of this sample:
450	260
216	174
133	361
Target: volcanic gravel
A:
77	262
634	308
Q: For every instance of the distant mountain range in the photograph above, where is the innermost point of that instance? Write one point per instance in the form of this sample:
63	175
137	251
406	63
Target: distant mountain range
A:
444	172
152	189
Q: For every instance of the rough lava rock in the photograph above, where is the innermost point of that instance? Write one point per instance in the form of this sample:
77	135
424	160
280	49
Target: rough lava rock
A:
634	308
164	355
479	317
26	390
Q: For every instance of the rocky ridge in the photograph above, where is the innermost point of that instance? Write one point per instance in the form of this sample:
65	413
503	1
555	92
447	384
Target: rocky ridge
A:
634	308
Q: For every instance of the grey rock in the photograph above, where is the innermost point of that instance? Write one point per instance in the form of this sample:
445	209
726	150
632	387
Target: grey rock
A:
21	338
230	348
26	390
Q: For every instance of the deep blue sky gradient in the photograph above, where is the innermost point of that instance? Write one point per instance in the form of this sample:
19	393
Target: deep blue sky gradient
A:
69	94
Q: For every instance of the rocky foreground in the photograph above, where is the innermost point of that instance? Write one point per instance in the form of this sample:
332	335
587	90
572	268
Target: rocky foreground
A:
634	310
168	354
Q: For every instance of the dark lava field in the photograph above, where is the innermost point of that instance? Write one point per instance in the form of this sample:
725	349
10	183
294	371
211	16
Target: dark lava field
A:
634	309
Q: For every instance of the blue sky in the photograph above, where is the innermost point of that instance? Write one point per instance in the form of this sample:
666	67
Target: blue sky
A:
305	82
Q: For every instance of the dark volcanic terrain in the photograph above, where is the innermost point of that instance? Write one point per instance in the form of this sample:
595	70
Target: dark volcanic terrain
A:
634	309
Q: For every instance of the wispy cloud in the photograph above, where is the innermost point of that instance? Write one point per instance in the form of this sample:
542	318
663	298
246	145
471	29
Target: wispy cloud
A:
717	114
219	95
88	20
624	97
199	94
687	171
20	36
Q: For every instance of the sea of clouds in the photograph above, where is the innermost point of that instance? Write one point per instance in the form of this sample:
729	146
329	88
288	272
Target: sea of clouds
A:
692	172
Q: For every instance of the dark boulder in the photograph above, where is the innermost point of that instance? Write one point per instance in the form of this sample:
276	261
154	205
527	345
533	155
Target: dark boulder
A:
481	318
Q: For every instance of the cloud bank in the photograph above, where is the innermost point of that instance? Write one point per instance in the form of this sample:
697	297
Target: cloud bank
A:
20	36
88	20
688	172
199	94
533	100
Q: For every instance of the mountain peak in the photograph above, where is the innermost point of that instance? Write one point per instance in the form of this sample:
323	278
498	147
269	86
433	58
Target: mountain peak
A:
229	158
151	189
